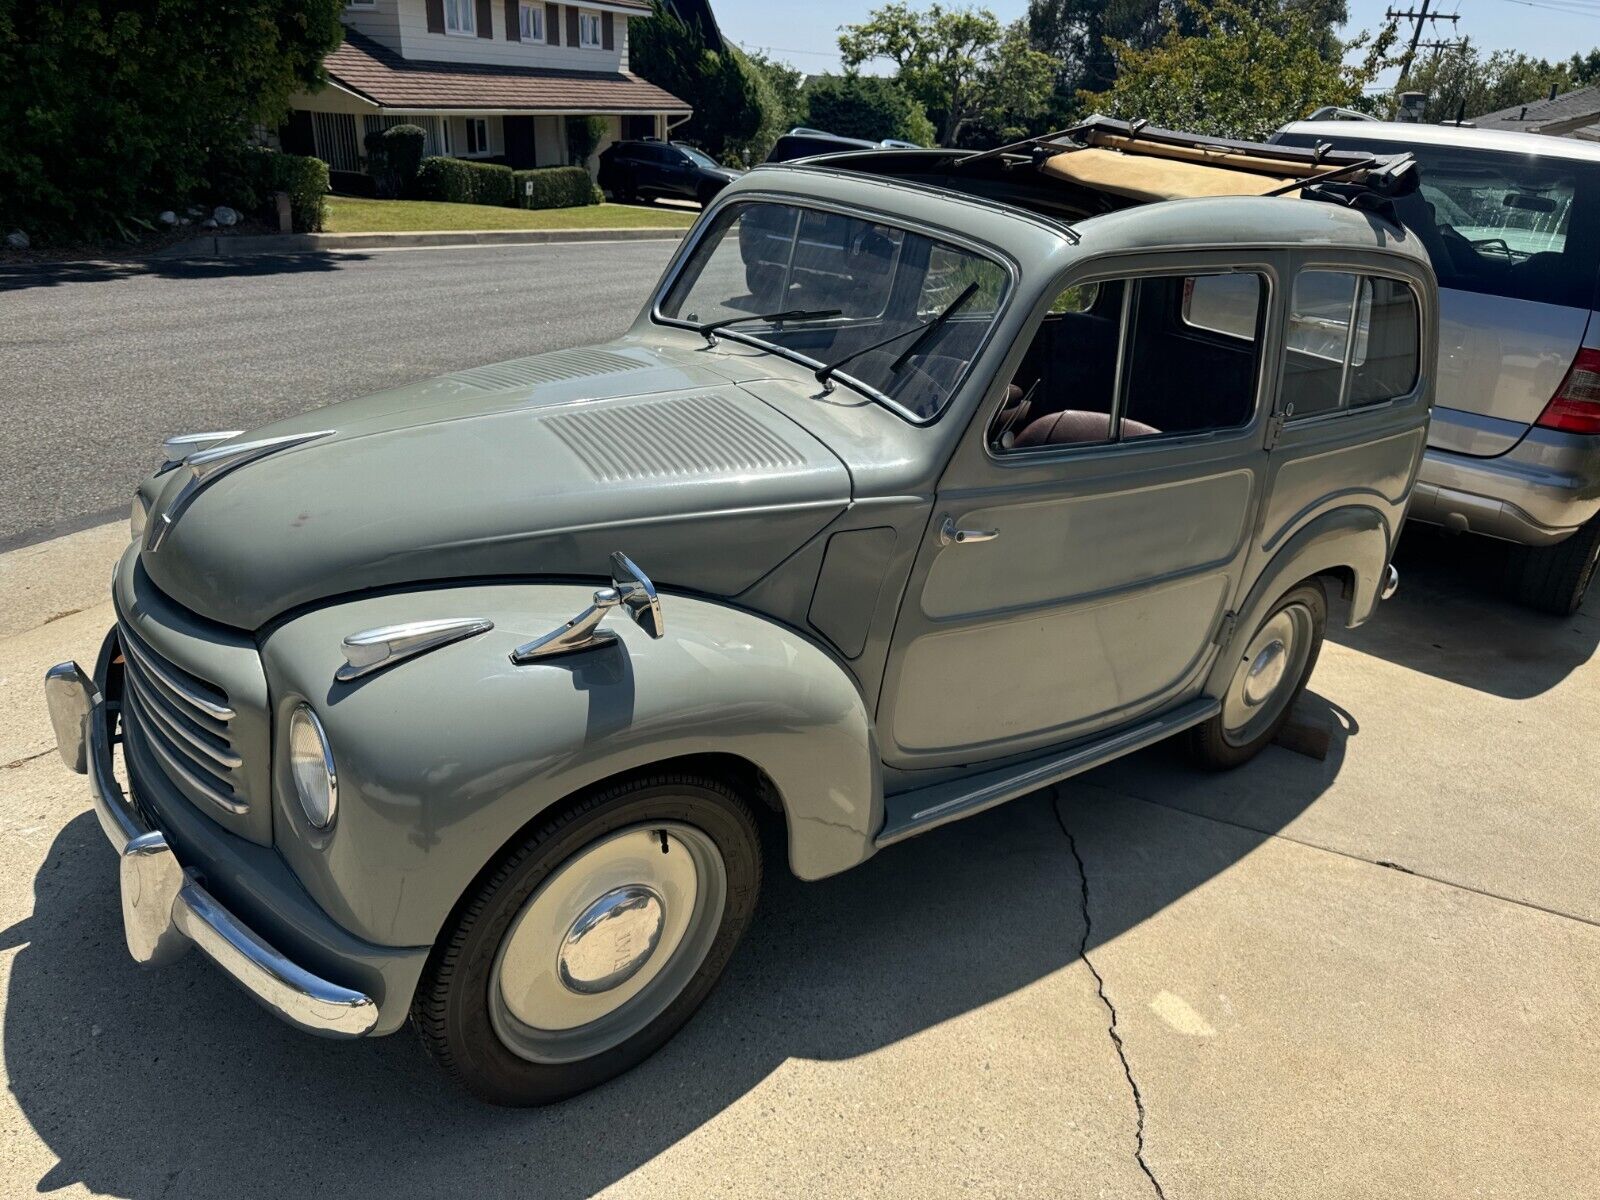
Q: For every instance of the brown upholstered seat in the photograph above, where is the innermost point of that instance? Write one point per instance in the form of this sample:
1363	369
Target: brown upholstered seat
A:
1076	425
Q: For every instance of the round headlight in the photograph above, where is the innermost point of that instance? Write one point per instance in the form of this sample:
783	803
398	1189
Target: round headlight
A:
137	516
311	765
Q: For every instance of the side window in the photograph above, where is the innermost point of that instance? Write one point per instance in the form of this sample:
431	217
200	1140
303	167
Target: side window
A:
1352	341
1127	359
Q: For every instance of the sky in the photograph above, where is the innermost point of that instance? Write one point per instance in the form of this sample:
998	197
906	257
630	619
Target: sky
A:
807	34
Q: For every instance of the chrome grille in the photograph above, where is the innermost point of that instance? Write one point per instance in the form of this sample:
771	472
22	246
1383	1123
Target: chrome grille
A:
184	721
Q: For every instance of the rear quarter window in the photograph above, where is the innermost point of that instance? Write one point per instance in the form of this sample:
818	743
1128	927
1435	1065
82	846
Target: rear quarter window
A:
1521	226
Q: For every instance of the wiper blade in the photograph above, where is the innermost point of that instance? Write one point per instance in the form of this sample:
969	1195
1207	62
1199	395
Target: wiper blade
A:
927	329
709	329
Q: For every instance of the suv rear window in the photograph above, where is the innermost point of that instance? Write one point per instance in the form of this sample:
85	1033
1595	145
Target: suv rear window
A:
1522	226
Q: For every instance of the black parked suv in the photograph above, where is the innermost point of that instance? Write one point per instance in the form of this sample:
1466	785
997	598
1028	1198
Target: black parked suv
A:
648	168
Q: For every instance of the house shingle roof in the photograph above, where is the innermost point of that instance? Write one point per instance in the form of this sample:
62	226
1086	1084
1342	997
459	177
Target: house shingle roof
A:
1565	113
369	69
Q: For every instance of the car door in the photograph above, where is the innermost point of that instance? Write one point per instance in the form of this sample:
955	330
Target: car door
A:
1353	402
1079	563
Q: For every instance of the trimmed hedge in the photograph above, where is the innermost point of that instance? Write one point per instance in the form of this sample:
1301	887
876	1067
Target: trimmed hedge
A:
555	187
462	181
306	181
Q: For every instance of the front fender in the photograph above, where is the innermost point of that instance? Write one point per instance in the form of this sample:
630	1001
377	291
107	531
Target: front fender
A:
443	758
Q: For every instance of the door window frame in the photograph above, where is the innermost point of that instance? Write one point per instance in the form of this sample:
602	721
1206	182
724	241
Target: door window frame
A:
1344	410
1263	261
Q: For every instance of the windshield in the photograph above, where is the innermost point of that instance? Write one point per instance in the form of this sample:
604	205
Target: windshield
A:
699	159
881	280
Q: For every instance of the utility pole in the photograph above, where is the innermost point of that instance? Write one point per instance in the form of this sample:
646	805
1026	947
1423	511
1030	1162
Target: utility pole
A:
1416	16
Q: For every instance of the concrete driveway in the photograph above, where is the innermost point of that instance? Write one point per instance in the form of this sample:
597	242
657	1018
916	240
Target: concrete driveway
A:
1373	975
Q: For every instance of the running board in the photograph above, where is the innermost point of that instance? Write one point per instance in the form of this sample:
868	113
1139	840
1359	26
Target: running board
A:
917	811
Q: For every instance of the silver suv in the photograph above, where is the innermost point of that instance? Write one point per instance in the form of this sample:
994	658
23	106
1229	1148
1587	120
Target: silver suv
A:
1512	224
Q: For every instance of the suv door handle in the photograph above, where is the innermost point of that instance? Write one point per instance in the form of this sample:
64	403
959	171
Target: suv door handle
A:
949	534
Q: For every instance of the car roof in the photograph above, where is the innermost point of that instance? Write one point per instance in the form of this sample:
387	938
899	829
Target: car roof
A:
1404	133
1223	222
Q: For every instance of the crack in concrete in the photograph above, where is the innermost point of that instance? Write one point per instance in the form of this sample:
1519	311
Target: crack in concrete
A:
1111	1009
27	758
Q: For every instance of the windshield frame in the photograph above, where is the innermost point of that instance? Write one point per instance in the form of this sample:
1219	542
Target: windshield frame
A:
986	250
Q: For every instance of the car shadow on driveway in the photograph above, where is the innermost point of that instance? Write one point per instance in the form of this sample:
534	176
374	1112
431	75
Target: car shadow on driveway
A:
18	276
172	1083
1449	621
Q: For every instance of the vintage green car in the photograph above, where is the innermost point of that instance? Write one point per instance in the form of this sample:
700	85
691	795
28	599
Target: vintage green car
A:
925	479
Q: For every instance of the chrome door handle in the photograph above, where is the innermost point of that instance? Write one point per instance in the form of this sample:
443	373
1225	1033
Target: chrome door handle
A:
949	534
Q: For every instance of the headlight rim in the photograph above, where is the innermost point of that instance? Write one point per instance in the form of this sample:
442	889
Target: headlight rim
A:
138	516
304	712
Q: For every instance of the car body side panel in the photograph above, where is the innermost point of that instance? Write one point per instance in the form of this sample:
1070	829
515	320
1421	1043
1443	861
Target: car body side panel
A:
444	758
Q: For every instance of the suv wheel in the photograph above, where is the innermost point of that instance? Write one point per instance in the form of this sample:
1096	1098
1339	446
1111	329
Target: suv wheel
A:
1554	579
592	941
1272	671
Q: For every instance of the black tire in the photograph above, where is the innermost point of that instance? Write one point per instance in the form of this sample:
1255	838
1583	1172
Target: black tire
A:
1211	744
1555	579
451	1007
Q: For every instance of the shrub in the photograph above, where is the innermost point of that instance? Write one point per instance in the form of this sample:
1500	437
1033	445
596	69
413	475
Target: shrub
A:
306	181
384	183
865	106
556	187
402	147
460	181
111	112
583	135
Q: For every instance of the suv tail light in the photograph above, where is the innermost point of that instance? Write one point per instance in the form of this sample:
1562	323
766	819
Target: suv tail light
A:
1575	408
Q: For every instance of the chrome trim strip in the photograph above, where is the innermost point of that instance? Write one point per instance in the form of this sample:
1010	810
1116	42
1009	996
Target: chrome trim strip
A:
183	772
225	758
181	691
157	918
207	466
373	650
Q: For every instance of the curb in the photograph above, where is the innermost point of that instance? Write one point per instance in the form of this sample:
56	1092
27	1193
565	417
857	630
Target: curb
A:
225	246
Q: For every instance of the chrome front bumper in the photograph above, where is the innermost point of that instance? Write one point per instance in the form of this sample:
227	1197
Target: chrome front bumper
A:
165	908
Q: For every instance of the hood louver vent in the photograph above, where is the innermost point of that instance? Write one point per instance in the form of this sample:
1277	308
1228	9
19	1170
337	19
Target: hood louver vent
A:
661	439
547	368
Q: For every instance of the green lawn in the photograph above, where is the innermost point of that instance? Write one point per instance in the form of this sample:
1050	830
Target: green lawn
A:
348	214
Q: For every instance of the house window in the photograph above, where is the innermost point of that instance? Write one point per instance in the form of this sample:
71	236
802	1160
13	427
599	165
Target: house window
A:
445	146
530	19
589	30
360	3
477	136
460	16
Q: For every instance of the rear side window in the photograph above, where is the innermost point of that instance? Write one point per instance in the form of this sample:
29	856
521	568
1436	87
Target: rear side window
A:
1526	227
1352	340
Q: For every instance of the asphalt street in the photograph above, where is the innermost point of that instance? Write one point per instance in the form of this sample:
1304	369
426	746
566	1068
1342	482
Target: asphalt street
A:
98	363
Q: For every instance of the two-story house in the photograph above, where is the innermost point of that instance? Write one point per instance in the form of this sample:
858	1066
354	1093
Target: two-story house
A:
488	79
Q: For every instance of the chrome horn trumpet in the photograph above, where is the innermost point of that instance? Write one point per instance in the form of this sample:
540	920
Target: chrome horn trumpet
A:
630	589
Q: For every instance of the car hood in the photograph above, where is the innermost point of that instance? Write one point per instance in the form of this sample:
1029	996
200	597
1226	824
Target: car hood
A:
537	467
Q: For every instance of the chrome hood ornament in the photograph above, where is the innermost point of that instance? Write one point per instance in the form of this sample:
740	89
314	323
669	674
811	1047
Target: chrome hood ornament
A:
374	650
630	590
207	466
180	445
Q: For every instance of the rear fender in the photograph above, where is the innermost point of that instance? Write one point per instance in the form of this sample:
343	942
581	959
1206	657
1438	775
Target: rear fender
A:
1354	538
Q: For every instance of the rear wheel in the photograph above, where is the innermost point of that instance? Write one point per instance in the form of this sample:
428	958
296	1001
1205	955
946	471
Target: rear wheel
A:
1272	671
1555	579
592	941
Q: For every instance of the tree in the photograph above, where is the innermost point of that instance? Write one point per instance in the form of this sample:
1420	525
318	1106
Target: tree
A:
784	83
959	63
113	109
733	108
1463	82
865	106
1248	68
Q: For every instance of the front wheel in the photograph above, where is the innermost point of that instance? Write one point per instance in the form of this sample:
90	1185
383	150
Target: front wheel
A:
592	941
1555	579
1270	675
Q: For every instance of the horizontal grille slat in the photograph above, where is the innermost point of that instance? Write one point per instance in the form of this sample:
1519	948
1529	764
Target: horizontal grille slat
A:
178	730
182	720
178	764
184	688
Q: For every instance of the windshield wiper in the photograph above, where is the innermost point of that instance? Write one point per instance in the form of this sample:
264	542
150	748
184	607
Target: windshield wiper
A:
927	329
709	329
